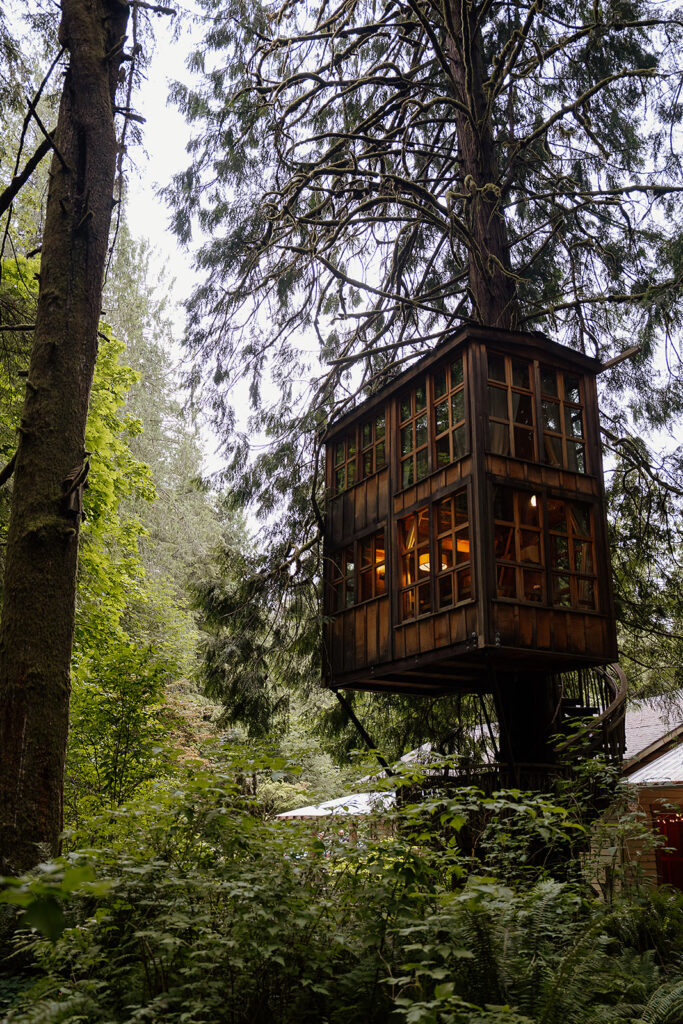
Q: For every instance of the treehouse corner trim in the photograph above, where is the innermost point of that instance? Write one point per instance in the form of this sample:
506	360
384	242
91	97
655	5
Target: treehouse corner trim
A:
465	529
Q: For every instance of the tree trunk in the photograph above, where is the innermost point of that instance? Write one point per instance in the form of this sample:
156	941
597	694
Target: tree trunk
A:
36	634
491	284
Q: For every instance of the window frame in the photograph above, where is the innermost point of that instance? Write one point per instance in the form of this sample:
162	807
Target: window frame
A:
352	553
410	423
565	407
511	424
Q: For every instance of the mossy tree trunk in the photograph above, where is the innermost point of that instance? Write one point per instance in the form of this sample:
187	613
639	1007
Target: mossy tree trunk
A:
36	633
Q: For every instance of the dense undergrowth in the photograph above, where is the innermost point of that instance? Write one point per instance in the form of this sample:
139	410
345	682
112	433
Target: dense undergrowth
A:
191	906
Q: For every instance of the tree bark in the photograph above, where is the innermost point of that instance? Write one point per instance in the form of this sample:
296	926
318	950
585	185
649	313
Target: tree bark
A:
36	634
491	283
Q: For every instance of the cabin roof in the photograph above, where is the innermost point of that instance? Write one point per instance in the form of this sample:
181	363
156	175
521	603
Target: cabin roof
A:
527	343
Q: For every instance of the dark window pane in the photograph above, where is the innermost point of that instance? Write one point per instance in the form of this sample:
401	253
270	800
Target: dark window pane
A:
365	586
456	372
503	504
533	586
424	600
406	439
462	546
524	443
405	409
586	593
498	402
366	553
465	584
351	473
367	434
499	438
338	602
352	446
496	367
548	381
441	416
443	451
348	564
551	416
520	374
423	526
340	479
350	593
445	591
576	457
459	442
420	431
572	389
446	553
522	411
561	591
420	398
367	464
504	542
408	605
458	406
580	519
444	516
461	508
380	457
529	509
553	450
422	464
506	581
530	547
440	388
556	515
340	452
379	427
407	473
583	556
559	553
573	421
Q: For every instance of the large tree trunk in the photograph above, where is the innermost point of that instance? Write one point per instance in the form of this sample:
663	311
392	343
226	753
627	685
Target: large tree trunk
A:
36	634
491	284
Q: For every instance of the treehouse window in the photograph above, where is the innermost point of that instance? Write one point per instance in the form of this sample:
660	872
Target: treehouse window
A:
373	446
572	558
518	545
564	435
345	464
450	429
414	457
343	579
450	569
670	857
511	407
454	575
414	565
372	567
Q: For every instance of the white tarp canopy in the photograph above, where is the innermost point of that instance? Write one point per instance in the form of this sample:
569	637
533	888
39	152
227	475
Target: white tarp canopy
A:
354	803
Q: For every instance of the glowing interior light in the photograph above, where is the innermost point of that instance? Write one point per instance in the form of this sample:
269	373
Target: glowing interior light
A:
532	501
423	561
380	571
463	546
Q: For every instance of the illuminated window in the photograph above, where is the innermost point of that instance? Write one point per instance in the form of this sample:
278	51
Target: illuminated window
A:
414	565
345	464
511	407
373	455
450	430
572	558
413	436
343	579
564	443
670	858
372	567
518	545
453	571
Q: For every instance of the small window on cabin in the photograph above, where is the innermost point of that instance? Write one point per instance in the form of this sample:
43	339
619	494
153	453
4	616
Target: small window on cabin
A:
453	554
343	579
511	425
451	440
372	567
413	436
345	464
564	432
518	545
415	568
670	857
373	454
573	574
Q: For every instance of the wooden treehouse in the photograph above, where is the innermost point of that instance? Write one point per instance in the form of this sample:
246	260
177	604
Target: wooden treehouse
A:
466	539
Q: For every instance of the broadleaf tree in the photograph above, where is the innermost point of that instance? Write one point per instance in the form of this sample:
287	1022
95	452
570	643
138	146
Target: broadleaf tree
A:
369	176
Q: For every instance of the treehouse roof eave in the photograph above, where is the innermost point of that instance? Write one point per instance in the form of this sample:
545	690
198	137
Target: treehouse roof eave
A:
535	343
